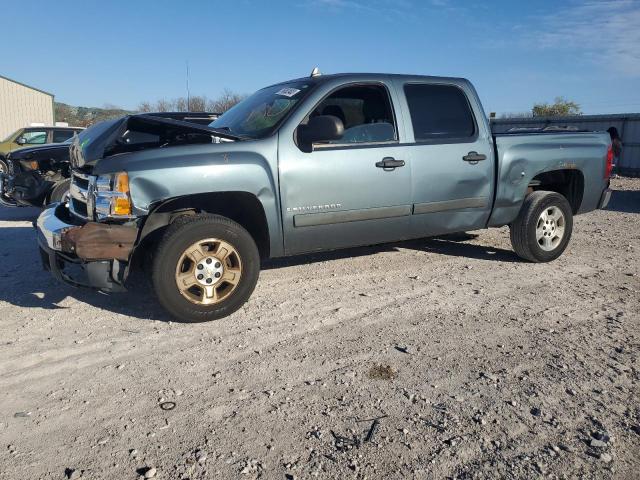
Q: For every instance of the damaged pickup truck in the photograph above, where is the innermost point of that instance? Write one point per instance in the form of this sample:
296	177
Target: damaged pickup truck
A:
317	163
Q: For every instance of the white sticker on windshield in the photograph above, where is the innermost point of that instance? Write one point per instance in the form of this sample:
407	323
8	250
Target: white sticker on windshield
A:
288	92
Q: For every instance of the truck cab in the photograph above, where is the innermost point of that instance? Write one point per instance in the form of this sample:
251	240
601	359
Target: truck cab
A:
317	163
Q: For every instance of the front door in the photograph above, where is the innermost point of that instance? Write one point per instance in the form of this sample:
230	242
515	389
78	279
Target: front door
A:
352	191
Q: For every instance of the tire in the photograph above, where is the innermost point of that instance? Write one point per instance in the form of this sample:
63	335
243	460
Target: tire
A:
60	191
4	167
207	237
543	228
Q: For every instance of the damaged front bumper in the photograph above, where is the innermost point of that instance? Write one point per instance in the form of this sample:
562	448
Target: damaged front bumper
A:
89	254
24	189
5	198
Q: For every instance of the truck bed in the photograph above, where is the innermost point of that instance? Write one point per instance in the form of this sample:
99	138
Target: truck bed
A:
521	157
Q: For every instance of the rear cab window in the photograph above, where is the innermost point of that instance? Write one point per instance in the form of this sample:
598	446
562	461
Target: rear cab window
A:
440	113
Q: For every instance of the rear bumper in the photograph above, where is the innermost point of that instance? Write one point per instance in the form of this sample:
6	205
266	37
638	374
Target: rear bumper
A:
63	247
604	198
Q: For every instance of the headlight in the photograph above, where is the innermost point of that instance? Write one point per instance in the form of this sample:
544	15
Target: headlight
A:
111	196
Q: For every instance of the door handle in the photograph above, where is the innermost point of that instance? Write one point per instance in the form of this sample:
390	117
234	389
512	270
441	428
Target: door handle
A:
389	162
474	157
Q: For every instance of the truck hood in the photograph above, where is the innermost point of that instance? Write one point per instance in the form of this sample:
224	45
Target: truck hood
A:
28	152
138	132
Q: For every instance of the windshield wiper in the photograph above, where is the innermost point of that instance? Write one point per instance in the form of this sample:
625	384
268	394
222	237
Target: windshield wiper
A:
226	131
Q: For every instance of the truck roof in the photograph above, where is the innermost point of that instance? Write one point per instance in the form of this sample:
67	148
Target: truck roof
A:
322	78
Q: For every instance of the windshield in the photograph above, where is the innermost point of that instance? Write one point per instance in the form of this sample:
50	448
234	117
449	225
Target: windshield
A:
10	136
258	115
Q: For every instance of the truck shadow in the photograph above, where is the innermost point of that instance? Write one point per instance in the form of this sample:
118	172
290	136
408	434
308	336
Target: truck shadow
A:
453	245
626	201
18	214
23	282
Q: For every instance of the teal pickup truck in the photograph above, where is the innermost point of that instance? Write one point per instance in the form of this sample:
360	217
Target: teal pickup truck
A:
318	163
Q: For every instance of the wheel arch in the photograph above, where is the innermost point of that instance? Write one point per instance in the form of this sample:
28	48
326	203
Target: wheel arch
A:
242	207
567	182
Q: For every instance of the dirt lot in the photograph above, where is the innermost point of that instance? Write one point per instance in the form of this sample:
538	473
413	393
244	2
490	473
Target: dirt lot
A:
477	365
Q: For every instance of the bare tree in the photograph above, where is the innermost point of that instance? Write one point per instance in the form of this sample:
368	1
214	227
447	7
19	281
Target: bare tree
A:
163	105
225	101
144	107
180	105
198	103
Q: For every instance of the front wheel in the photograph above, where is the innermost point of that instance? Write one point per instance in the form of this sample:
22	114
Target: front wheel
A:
205	268
60	192
543	228
4	167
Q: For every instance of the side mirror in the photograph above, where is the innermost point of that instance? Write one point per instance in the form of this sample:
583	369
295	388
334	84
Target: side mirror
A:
21	141
322	128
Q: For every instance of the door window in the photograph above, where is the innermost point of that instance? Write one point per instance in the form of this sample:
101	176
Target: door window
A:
35	137
365	111
439	112
60	136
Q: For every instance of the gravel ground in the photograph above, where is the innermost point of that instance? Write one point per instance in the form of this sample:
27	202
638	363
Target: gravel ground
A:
475	365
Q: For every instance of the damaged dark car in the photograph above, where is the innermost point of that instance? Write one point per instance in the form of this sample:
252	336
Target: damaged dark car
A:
38	176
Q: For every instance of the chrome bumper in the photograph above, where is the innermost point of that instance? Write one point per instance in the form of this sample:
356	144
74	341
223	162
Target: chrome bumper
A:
50	227
104	275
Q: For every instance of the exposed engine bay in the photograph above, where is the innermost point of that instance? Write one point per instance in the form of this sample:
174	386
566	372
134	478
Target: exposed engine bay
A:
139	132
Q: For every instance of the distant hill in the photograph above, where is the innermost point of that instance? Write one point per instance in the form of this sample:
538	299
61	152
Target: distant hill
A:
86	116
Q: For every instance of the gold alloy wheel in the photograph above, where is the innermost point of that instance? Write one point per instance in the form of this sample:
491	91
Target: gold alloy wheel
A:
208	271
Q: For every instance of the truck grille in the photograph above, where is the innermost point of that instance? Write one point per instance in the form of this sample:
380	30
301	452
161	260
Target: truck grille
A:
79	204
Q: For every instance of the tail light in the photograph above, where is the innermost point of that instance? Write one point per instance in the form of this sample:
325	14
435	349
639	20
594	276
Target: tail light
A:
609	165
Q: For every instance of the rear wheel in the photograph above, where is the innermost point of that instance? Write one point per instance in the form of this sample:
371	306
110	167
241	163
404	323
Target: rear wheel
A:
543	228
205	268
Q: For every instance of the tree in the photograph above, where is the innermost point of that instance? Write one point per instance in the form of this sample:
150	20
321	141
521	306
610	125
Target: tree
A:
63	113
181	104
197	103
560	107
163	105
225	101
144	107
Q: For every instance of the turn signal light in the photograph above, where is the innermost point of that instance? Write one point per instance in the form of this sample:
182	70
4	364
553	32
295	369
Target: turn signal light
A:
122	204
122	182
111	196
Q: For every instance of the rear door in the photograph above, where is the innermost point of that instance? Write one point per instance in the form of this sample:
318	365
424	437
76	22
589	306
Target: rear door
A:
60	136
340	194
451	156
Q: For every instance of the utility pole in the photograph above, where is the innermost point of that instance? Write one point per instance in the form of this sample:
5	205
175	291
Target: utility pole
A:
188	93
